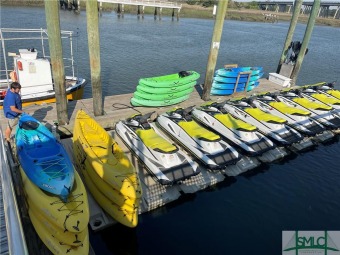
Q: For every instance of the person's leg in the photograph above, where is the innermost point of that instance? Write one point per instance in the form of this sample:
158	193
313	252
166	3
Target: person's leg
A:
11	124
8	132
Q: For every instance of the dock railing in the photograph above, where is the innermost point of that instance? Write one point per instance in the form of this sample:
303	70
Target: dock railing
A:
41	35
15	234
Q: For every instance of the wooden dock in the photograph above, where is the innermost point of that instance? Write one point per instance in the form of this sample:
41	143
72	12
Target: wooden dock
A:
118	107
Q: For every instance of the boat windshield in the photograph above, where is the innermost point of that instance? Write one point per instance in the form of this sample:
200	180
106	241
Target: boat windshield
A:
13	39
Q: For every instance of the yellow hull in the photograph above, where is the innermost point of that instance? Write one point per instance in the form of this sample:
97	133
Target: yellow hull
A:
129	219
126	203
72	216
69	238
94	147
53	244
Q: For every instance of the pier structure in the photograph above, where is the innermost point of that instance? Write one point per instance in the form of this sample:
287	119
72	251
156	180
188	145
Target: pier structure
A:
155	195
141	4
70	5
327	8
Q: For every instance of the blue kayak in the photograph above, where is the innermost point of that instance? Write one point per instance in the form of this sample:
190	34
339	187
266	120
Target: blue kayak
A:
43	157
233	72
219	85
242	79
225	92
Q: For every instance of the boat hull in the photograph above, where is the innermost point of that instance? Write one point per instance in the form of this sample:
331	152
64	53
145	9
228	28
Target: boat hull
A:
73	92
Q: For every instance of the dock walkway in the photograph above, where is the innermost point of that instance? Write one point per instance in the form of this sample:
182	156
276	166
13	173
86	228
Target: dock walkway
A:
118	107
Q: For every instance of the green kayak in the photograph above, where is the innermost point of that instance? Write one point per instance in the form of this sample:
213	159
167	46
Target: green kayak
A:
153	103
166	81
146	89
157	97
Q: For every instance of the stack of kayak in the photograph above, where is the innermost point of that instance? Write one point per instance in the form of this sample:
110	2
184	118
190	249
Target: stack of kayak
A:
108	173
226	79
165	90
56	196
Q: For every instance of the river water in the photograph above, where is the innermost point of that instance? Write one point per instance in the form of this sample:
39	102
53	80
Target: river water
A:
242	215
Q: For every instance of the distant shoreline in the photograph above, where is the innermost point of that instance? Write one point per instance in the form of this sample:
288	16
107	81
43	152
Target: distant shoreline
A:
196	11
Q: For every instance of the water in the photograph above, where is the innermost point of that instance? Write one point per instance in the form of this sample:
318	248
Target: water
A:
242	215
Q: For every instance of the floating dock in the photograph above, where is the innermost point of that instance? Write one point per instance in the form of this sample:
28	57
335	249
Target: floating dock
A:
118	107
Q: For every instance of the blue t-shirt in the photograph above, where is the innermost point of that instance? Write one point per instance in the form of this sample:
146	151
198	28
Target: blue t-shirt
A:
11	99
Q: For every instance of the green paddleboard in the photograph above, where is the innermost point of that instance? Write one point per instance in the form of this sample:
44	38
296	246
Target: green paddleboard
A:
157	97
170	80
156	103
147	89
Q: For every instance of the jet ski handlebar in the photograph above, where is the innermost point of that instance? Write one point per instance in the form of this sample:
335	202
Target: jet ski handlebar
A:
148	116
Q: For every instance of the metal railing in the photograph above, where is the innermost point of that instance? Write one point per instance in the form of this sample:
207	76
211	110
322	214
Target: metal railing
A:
15	233
11	34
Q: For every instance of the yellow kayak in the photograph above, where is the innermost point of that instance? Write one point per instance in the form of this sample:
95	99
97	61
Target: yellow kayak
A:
124	202
105	166
55	245
72	216
127	218
94	147
66	237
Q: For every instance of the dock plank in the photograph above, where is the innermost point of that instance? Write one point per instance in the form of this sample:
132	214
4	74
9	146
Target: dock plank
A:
118	107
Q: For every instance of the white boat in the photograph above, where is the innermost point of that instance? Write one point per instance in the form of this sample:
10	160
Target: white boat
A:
270	125
240	133
163	159
320	111
297	118
205	145
32	67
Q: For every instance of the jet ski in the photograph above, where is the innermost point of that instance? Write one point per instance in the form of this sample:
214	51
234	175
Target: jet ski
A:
270	125
203	144
240	133
329	89
296	118
161	158
319	96
320	111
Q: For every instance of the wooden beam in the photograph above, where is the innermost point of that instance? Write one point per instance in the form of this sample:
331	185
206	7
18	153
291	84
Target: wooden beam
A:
306	38
293	22
94	52
56	52
214	47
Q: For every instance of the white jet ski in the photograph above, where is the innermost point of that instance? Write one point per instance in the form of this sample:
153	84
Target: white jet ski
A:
319	96
161	158
270	125
297	118
320	111
240	133
203	144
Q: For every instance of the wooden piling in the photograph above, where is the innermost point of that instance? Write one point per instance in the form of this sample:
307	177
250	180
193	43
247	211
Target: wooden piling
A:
56	52
293	22
214	47
306	38
94	52
155	14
